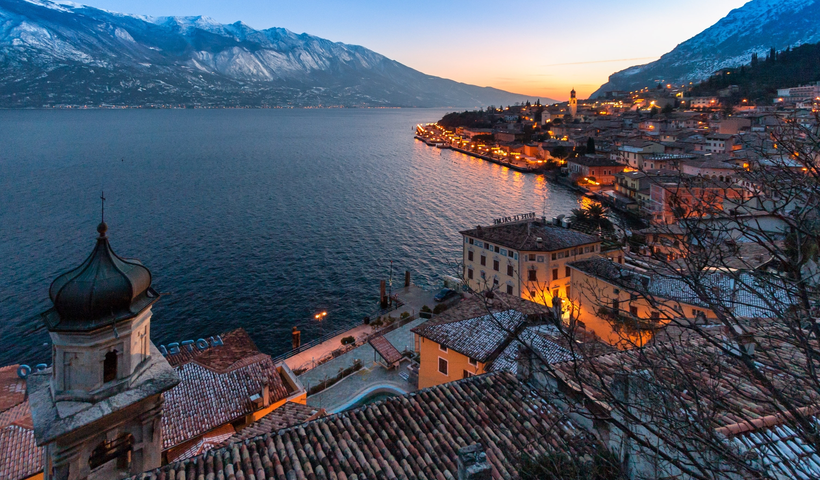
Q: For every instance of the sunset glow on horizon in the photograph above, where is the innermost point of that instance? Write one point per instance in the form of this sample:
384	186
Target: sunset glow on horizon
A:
556	46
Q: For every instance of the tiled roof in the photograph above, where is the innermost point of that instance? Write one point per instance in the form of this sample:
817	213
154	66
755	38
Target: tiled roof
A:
12	387
207	398
416	436
237	348
201	445
771	445
480	338
745	293
718	385
20	457
386	349
524	235
288	415
544	339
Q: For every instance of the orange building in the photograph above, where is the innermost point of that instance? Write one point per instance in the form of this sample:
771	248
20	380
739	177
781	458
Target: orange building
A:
481	335
613	301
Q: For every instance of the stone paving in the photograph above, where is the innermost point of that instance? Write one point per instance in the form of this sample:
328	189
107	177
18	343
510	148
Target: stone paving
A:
402	338
413	298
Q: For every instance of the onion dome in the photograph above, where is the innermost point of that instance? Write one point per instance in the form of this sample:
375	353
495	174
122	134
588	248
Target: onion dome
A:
103	290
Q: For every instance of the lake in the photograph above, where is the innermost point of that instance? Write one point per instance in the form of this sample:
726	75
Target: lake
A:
246	218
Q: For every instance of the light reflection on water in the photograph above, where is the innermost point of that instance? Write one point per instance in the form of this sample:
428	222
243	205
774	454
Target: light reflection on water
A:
246	218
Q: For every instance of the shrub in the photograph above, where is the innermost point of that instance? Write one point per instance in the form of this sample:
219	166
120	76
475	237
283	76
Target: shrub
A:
439	308
348	340
378	322
425	309
405	315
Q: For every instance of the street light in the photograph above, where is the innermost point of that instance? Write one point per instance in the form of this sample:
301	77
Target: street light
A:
321	316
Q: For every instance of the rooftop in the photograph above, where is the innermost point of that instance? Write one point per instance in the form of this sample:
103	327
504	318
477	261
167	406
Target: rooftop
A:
216	386
523	236
288	415
20	457
413	436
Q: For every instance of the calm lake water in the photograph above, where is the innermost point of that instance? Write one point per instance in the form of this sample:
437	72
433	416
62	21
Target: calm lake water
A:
246	218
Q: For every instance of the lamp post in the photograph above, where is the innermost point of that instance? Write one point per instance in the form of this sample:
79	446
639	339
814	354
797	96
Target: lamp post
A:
320	317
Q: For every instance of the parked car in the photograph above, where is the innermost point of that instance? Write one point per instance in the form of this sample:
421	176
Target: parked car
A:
445	294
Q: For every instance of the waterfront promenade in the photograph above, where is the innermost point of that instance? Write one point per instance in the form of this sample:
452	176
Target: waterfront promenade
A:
412	299
517	165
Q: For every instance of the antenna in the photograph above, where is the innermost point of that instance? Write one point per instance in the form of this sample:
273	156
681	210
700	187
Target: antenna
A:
102	202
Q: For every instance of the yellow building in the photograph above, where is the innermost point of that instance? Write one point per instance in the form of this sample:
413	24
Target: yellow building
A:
480	335
623	306
527	258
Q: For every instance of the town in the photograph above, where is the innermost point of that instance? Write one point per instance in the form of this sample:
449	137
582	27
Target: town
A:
667	328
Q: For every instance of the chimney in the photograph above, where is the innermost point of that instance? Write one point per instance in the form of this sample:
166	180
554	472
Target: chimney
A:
473	464
539	242
266	394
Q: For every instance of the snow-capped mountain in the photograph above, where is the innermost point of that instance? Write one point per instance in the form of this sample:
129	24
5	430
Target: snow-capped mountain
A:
753	28
63	53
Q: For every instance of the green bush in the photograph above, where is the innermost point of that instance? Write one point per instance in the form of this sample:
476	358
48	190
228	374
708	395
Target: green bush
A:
439	308
425	309
348	340
405	315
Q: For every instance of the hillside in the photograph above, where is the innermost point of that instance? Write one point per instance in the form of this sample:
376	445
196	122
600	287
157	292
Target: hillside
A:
760	79
755	27
56	54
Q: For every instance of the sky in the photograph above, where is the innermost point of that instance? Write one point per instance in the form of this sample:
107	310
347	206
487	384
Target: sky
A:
540	48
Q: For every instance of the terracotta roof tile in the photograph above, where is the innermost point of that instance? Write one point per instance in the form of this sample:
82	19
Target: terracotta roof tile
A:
288	415
416	436
12	387
20	457
524	235
216	386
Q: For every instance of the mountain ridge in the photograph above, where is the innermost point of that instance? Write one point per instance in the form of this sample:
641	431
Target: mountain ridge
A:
69	54
755	27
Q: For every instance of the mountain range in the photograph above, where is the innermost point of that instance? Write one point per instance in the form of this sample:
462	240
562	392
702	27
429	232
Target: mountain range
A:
756	27
55	54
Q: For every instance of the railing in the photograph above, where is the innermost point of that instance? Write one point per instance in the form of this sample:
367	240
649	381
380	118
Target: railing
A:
338	331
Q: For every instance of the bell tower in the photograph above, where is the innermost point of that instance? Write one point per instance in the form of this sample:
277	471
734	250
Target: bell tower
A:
97	410
573	104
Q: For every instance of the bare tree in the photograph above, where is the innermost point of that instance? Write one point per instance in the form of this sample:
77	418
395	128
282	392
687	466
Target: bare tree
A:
723	341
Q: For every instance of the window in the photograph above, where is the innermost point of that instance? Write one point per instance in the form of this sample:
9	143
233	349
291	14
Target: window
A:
483	260
633	311
497	249
470	255
511	254
496	265
470	273
541	258
532	276
567	290
442	366
655	315
509	290
442	348
473	362
586	249
567	271
471	241
555	274
467	374
616	305
531	257
532	293
510	271
555	256
495	282
110	366
504	252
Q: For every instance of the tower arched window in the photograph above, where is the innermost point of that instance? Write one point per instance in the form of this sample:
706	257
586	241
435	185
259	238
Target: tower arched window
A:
110	366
